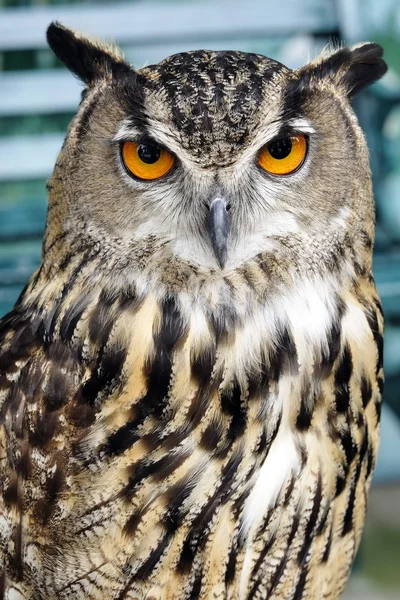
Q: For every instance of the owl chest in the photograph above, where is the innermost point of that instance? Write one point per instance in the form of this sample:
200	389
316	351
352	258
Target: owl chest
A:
213	456
202	401
206	508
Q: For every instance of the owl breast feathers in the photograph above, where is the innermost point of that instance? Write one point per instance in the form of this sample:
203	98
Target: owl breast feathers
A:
190	384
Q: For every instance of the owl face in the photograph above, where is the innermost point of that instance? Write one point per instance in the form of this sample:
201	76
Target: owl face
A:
211	159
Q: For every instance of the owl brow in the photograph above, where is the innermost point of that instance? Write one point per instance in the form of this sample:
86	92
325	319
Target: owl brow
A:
131	132
128	132
295	127
301	125
291	127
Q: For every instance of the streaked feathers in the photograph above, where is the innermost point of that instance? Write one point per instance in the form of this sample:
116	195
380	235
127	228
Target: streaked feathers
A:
171	429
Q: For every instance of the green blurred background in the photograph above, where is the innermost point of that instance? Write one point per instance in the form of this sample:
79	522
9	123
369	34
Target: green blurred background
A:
38	98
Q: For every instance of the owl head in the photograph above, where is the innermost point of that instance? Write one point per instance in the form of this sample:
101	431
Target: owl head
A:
209	162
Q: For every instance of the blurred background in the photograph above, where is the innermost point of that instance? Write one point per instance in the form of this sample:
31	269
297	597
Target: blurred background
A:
38	98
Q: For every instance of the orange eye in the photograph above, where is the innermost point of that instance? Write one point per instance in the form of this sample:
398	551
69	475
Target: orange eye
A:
146	160
283	155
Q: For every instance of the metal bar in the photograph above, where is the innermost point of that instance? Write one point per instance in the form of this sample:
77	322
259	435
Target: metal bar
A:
28	157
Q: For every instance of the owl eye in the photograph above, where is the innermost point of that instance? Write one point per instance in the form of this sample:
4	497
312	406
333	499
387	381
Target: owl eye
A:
146	160
283	155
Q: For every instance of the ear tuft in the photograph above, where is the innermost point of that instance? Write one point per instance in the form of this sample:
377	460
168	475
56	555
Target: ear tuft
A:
365	67
352	69
87	59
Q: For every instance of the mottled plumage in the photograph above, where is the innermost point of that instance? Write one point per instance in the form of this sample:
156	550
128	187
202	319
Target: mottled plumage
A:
171	428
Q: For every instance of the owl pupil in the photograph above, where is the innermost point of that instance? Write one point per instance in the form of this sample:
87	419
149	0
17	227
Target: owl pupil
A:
149	153
281	148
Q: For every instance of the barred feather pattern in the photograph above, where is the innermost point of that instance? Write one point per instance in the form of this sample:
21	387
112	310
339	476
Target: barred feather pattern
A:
216	443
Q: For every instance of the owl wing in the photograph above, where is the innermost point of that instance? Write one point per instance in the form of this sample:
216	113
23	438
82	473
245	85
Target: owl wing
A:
40	416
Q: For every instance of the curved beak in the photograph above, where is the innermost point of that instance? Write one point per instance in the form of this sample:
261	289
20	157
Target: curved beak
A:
218	228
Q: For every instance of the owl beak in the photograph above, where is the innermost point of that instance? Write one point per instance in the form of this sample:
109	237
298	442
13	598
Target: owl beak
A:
218	228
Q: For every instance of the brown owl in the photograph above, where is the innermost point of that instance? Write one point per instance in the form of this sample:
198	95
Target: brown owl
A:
190	384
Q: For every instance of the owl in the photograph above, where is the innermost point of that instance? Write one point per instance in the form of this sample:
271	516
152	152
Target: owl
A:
190	383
